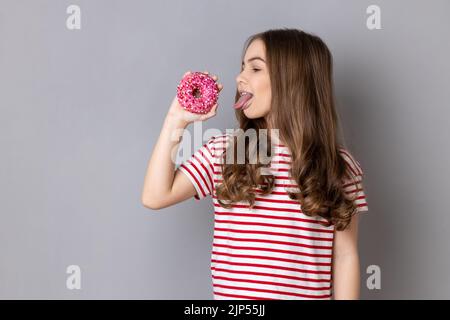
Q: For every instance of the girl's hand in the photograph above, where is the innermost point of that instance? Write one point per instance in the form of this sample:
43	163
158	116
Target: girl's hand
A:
176	110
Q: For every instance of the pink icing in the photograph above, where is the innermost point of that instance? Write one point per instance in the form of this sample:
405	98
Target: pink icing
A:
197	92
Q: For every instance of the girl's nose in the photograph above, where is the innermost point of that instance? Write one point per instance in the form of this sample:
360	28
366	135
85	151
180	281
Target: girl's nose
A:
240	79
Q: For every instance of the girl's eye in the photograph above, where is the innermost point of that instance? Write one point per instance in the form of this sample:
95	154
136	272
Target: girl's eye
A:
254	69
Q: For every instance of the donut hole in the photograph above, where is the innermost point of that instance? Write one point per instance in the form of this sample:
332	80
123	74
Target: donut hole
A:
196	93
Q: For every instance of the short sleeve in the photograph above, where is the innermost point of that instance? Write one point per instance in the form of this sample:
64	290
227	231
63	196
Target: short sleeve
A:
199	169
354	187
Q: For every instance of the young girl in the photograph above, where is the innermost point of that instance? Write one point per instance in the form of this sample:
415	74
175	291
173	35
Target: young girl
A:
290	233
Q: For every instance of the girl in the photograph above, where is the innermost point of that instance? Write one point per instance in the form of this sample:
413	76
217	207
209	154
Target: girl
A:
290	233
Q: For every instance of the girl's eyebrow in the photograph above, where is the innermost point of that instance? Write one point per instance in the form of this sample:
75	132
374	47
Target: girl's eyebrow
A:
254	58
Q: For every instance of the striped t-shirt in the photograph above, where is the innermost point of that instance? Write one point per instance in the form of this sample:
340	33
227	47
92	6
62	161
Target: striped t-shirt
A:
272	251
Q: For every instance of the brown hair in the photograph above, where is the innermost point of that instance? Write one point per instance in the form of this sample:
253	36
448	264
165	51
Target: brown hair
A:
303	110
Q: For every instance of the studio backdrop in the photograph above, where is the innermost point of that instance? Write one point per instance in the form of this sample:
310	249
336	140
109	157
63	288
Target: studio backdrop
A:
84	90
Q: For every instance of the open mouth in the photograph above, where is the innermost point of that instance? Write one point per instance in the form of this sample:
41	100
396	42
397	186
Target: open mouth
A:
247	104
243	100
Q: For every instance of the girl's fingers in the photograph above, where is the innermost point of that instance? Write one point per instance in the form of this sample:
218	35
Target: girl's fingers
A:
213	110
210	114
213	76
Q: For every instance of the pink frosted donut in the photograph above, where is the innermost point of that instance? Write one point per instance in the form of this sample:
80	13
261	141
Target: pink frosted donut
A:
197	92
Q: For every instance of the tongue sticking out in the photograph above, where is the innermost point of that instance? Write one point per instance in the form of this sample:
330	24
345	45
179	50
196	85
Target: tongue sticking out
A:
243	100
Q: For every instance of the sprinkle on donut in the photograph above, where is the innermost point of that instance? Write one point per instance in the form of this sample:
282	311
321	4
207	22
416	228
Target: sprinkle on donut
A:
197	92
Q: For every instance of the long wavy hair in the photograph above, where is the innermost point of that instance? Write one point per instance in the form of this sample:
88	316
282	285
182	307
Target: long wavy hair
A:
303	110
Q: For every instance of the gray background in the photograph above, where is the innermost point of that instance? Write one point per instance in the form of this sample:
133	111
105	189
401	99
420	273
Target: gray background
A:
81	110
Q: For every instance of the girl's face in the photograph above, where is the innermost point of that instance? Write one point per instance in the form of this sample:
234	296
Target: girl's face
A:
254	78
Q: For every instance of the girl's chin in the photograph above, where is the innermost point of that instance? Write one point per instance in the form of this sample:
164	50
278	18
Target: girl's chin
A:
248	106
250	112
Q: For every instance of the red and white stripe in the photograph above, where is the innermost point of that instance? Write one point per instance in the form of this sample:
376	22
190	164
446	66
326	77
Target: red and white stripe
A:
273	250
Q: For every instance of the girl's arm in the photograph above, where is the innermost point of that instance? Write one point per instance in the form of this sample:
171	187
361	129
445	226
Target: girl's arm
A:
159	180
346	273
162	185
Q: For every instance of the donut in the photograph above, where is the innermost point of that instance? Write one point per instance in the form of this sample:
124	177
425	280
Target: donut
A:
197	92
